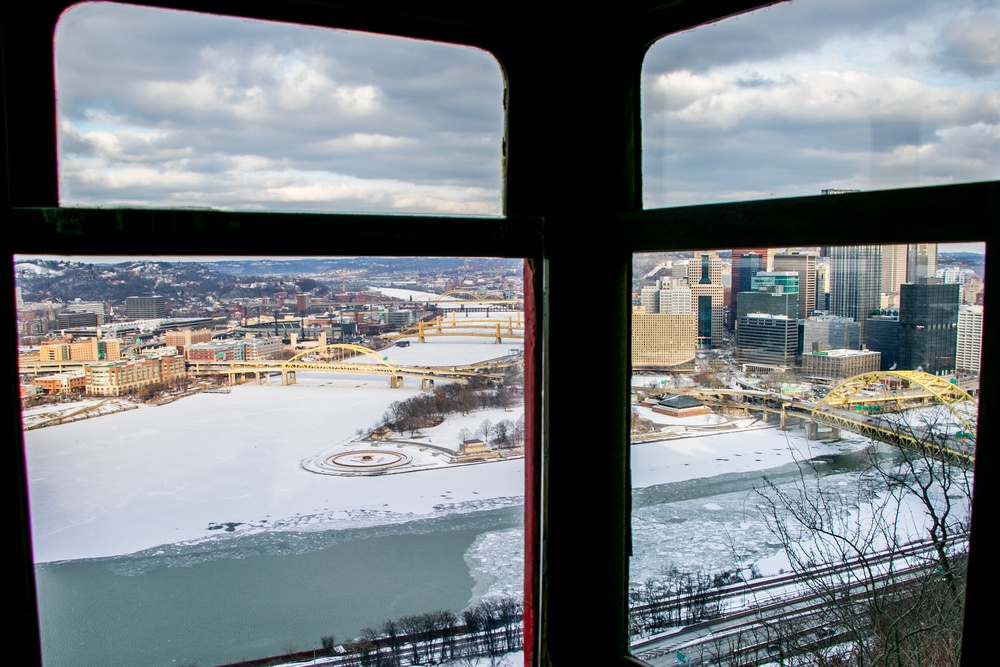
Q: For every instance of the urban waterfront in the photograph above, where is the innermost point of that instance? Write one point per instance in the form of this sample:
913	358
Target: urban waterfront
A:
435	539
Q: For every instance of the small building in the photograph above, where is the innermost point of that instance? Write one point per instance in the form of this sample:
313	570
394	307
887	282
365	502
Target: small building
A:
184	338
91	349
116	378
381	433
841	364
677	405
62	383
474	449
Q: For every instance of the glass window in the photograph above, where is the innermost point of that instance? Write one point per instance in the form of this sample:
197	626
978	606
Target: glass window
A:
172	109
790	473
239	458
814	95
207	530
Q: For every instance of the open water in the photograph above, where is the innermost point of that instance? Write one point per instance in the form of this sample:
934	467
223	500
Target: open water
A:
266	594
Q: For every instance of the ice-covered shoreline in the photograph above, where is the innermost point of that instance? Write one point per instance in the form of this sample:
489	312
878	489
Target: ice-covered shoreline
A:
185	472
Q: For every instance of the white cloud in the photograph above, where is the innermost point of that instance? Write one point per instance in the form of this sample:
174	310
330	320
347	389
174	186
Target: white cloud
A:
718	100
300	85
365	140
971	44
357	100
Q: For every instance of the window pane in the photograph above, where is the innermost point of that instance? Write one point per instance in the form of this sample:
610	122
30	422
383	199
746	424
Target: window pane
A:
772	454
174	109
813	95
236	458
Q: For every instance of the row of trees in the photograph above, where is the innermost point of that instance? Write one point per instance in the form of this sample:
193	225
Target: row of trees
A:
489	629
677	598
504	434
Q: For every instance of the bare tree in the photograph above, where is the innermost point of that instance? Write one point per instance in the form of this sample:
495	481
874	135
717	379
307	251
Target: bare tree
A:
485	430
889	603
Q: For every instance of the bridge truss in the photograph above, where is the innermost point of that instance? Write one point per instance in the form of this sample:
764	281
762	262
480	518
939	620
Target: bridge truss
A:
883	396
876	405
498	328
354	360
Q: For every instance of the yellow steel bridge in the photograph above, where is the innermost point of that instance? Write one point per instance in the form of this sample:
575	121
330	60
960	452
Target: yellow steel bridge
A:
867	404
351	359
498	328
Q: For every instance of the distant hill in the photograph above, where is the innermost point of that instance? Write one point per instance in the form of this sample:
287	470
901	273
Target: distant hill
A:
64	280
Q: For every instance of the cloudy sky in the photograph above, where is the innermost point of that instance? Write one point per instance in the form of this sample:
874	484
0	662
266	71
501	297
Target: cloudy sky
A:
171	109
809	95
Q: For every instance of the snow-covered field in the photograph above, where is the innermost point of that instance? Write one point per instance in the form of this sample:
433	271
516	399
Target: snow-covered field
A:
126	482
217	463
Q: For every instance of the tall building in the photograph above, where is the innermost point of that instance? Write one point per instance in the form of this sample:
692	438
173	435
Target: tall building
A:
830	332
928	322
953	274
668	295
883	337
969	345
921	261
674	297
823	283
663	340
972	292
649	298
145	307
855	282
770	300
707	293
785	282
767	339
803	264
893	271
745	263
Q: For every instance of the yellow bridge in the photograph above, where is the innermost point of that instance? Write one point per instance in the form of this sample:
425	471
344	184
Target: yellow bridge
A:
498	328
867	404
351	359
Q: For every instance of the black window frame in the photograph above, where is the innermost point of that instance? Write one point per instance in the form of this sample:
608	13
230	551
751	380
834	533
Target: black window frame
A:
559	177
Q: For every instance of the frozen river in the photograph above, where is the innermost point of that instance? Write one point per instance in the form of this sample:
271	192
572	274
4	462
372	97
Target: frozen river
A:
189	533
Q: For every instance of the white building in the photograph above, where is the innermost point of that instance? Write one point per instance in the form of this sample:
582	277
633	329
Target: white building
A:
970	339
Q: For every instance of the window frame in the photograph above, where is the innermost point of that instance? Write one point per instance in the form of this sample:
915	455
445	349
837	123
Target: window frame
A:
578	493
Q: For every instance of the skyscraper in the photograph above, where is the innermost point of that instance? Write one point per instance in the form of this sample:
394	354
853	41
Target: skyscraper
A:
145	307
928	322
893	271
746	262
707	297
970	339
804	264
855	282
921	261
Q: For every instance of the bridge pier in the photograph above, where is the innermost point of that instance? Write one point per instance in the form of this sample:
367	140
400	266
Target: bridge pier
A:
395	381
815	431
425	383
287	378
790	421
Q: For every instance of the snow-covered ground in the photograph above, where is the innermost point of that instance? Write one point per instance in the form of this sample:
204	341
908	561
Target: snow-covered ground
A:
175	473
213	463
